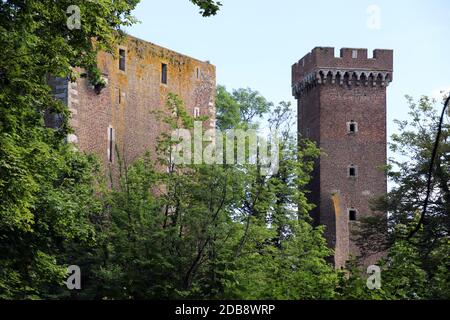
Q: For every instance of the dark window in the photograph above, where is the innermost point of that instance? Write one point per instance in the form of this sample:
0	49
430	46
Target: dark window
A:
352	171
352	214
164	73
111	144
120	96
122	57
198	73
352	127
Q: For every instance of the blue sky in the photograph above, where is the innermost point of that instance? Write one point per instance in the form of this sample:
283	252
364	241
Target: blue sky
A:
254	43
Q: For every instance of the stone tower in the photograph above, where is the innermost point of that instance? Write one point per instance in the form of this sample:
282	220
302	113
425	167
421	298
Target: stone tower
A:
342	107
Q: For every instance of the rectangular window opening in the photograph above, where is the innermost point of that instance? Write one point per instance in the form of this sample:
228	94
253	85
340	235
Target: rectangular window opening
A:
111	145
352	214
352	128
122	58
352	171
164	73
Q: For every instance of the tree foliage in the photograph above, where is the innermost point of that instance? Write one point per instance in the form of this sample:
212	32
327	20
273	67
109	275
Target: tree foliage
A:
414	267
240	108
207	7
46	188
211	231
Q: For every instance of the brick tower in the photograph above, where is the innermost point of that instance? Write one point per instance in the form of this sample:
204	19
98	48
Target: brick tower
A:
342	107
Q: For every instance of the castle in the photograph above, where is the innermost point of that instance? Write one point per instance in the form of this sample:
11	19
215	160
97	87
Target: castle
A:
122	115
342	107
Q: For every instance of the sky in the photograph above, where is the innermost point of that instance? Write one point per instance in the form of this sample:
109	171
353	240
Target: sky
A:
254	43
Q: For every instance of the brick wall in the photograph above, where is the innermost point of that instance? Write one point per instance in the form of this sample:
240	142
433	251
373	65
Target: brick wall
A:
331	92
131	97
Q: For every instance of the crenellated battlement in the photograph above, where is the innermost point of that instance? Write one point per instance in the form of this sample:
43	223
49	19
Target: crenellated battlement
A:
352	67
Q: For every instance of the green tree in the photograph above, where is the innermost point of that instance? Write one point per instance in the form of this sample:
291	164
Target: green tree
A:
47	189
262	232
413	268
280	255
211	231
240	108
